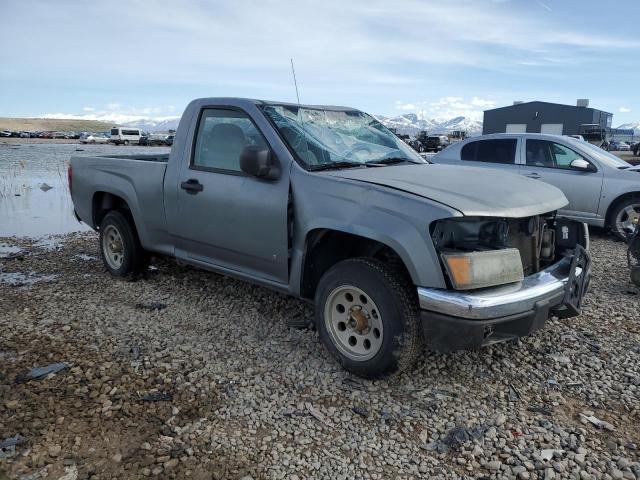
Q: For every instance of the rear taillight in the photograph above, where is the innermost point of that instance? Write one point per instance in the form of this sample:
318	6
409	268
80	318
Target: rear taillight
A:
70	178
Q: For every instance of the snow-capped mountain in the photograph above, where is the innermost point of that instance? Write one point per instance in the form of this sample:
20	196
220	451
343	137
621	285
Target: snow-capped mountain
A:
631	126
154	125
410	124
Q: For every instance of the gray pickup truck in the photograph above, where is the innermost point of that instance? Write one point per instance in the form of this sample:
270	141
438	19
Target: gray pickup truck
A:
326	204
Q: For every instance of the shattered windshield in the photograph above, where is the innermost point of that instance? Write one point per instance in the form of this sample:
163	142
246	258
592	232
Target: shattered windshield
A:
324	138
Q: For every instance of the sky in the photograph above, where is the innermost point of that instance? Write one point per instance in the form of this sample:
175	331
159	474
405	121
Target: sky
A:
135	59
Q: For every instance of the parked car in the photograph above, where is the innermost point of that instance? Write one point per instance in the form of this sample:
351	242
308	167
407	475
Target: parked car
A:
125	136
619	147
636	149
603	190
5	133
169	140
156	139
393	250
436	143
94	138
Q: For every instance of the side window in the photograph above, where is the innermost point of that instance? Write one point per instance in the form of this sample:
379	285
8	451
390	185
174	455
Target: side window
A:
469	151
564	156
542	153
539	153
222	135
491	151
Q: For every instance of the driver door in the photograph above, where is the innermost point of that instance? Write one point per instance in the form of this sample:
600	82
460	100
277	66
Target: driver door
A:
228	219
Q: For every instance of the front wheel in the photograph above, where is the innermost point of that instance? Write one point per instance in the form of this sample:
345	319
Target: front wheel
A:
120	248
624	217
367	317
126	143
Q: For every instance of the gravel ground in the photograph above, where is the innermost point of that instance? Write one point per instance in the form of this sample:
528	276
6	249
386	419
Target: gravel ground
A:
188	374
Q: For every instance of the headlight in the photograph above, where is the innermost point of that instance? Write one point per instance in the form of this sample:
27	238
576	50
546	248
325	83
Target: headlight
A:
483	269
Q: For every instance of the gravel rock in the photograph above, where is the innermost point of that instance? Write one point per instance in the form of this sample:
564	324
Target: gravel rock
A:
228	381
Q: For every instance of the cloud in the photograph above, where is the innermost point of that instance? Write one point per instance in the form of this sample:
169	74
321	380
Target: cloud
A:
545	6
405	106
482	102
448	107
624	110
88	109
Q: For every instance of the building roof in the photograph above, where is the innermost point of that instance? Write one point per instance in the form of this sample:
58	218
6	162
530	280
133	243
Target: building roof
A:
544	103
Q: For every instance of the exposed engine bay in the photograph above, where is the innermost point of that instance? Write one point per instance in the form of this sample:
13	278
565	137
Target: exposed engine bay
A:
541	240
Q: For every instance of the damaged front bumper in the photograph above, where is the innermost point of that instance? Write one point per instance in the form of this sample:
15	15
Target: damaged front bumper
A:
455	320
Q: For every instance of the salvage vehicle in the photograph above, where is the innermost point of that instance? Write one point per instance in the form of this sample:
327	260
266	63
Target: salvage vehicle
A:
603	190
436	143
326	204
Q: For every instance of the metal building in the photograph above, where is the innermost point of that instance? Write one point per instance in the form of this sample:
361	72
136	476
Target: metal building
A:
545	117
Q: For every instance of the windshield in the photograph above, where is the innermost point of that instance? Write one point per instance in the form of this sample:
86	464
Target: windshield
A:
340	138
604	156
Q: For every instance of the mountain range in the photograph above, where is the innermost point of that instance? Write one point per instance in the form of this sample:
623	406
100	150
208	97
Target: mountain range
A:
631	126
408	123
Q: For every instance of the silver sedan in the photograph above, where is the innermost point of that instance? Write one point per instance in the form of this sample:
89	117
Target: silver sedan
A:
603	190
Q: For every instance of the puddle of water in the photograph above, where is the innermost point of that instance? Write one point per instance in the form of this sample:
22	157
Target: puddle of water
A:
48	244
84	257
34	197
7	251
26	280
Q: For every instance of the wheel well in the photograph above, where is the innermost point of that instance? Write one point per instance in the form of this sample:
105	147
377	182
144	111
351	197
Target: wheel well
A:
103	203
325	248
616	202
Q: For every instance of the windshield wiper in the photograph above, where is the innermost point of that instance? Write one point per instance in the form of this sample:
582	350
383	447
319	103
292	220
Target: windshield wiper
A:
334	165
387	161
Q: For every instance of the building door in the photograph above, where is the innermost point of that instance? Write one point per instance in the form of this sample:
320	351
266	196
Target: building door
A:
551	128
516	128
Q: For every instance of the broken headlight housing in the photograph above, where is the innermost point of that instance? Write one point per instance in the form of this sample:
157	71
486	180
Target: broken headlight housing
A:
486	268
478	252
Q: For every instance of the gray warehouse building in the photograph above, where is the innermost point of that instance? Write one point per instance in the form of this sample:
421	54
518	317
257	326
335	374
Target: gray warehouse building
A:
545	117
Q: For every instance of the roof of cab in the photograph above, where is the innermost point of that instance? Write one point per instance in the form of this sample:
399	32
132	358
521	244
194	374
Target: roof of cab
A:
241	100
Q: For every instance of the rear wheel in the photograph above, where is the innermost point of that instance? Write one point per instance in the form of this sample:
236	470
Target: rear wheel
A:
624	217
367	317
122	254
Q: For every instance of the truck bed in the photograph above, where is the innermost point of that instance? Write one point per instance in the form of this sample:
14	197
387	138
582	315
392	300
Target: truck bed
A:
137	179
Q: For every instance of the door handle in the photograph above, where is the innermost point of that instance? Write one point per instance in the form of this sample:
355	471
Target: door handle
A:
192	186
532	175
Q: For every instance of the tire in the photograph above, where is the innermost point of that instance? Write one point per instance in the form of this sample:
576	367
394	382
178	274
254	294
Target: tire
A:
621	217
126	143
120	248
387	319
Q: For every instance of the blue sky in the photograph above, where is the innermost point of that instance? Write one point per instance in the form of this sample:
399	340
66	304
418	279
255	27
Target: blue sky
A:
131	59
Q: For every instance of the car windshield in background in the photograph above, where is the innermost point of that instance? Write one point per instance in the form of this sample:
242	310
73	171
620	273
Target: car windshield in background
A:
324	138
604	156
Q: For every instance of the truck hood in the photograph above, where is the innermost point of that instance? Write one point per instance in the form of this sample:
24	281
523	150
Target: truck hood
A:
471	190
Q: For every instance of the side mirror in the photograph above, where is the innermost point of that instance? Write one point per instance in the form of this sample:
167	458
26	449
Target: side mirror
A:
580	164
259	162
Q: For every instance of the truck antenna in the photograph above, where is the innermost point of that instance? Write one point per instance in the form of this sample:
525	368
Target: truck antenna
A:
295	83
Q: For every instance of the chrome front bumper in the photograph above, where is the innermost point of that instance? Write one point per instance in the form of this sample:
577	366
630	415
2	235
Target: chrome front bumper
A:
496	302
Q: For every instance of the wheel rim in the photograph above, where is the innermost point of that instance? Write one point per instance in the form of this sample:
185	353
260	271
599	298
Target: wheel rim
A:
354	323
626	218
113	247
